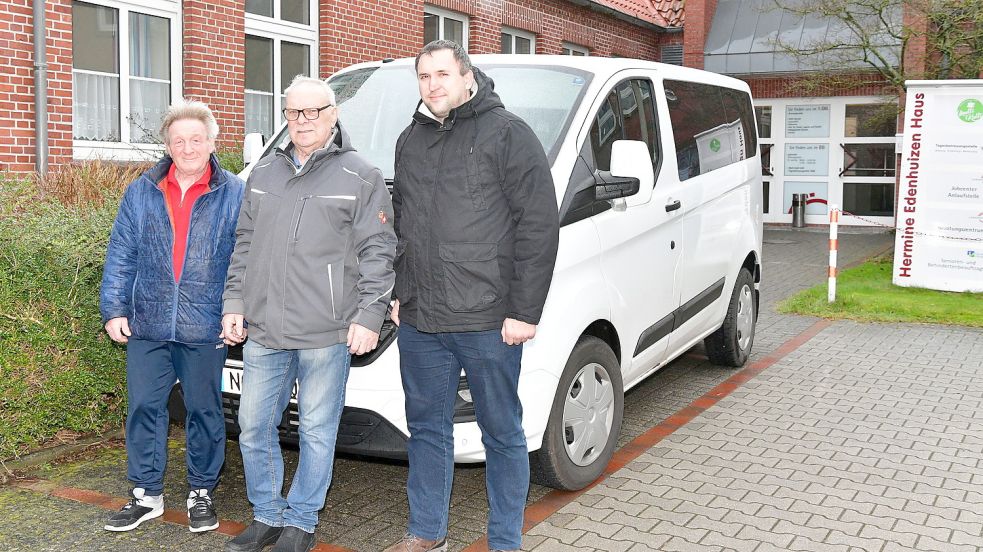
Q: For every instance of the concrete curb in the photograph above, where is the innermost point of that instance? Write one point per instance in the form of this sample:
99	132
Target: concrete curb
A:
51	454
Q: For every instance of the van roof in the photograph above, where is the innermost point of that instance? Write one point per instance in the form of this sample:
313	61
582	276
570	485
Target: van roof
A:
601	66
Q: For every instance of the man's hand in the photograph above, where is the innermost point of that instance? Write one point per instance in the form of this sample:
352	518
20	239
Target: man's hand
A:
516	332
361	339
118	329
233	329
394	313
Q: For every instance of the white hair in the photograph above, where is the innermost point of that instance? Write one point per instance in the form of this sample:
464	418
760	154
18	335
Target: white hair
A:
183	108
303	80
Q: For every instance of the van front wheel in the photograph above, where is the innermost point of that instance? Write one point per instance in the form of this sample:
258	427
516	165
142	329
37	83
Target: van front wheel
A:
585	419
731	344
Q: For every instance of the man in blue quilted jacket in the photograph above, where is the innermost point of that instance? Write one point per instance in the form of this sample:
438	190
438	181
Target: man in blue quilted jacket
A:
161	295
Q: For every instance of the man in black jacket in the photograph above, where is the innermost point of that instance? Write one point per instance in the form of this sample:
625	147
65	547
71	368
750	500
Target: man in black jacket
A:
476	216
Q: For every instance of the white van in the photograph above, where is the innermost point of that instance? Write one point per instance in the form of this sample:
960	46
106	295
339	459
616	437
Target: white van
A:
658	179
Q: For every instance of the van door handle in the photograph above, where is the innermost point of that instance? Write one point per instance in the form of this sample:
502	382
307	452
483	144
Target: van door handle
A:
670	207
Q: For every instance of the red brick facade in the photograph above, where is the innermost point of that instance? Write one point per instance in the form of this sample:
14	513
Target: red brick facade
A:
213	68
349	31
17	87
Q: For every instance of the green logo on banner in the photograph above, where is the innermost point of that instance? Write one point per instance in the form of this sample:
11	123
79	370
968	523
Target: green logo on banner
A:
970	110
715	144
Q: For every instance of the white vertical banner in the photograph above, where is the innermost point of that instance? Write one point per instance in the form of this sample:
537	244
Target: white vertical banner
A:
939	240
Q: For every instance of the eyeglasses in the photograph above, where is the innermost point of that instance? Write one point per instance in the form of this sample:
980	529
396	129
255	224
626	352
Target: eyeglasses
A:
310	113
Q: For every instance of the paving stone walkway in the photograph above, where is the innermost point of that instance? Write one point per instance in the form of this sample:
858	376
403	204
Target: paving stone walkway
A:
865	437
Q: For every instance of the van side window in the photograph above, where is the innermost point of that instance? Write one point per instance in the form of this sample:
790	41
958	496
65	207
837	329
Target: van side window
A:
605	130
712	126
628	113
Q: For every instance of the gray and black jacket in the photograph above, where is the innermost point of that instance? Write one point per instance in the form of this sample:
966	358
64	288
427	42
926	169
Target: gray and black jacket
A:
314	248
476	217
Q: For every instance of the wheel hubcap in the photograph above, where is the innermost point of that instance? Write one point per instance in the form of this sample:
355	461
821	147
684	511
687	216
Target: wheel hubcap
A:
588	413
745	317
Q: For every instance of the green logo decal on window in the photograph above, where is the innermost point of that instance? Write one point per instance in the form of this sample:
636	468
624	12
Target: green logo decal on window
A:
970	110
715	144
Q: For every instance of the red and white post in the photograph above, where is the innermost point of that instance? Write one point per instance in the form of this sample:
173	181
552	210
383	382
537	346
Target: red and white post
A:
834	220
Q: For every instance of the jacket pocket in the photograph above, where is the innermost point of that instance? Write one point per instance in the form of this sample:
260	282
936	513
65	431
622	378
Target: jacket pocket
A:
471	275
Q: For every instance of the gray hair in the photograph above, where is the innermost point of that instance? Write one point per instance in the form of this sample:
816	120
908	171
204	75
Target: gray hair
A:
303	80
460	54
184	108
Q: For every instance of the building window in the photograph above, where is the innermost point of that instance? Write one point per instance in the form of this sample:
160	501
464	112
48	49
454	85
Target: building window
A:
574	50
872	199
121	72
515	41
865	151
295	11
279	42
441	24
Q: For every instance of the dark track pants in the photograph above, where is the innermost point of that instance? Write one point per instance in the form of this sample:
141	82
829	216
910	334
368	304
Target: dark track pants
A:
152	367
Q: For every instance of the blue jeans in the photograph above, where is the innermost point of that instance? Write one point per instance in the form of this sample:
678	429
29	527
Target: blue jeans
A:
152	367
267	381
431	365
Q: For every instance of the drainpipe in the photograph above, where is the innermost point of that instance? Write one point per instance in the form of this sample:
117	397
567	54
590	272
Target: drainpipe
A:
40	90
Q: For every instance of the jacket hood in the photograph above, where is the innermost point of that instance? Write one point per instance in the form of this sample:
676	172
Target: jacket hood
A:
485	99
158	172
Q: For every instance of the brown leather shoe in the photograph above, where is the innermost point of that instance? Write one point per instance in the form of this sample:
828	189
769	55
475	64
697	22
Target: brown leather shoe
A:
413	543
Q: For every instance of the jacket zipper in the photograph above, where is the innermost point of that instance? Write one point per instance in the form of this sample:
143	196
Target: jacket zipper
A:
303	204
177	283
331	290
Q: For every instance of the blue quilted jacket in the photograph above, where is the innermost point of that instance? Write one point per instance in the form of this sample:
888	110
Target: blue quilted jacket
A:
138	278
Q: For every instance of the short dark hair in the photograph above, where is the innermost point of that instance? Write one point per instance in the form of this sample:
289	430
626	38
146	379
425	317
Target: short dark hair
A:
460	54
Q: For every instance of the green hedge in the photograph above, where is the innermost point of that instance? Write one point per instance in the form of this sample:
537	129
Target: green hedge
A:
58	370
60	374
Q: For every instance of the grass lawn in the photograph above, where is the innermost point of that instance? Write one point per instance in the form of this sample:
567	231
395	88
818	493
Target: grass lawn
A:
866	293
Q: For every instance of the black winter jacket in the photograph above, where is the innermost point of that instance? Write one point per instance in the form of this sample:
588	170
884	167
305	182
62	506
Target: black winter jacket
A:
476	216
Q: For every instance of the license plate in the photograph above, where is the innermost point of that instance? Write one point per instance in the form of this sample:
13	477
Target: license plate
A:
232	383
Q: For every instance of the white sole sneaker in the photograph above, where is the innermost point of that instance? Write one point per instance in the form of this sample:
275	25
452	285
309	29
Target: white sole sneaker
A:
154	513
203	528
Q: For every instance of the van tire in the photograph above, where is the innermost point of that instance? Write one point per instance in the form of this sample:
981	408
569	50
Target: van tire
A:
731	344
552	465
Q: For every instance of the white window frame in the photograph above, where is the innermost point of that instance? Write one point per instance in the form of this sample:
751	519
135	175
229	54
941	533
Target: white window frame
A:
279	31
513	33
124	150
834	182
443	14
571	48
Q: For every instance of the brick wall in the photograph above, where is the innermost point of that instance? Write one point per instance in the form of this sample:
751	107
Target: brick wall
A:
791	86
350	31
214	47
354	31
17	132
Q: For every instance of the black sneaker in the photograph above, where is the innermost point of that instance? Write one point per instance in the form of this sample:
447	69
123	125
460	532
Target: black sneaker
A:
201	513
254	538
139	509
294	539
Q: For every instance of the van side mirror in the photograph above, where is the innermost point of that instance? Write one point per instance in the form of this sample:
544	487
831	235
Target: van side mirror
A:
613	187
252	147
631	173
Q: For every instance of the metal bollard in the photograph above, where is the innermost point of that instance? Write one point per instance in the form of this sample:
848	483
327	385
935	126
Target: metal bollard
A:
798	210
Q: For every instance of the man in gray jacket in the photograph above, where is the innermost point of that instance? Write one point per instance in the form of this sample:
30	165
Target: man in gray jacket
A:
311	276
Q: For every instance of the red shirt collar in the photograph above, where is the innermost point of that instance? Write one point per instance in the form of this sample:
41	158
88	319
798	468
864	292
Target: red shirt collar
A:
203	181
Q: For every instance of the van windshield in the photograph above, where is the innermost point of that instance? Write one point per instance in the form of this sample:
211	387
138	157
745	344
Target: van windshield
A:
376	104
